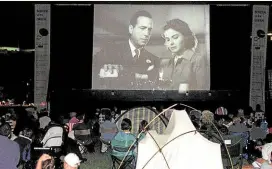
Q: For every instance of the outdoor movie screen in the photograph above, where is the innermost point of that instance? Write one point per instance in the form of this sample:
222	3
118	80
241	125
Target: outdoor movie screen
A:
151	47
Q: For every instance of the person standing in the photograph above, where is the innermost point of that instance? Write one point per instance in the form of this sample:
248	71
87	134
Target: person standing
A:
10	151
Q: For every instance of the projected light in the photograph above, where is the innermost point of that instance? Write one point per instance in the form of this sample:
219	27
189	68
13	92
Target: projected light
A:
151	47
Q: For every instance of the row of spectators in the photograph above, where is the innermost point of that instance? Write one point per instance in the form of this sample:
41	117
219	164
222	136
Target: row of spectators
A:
78	135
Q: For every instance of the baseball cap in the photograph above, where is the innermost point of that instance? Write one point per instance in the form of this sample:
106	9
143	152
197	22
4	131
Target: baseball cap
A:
72	160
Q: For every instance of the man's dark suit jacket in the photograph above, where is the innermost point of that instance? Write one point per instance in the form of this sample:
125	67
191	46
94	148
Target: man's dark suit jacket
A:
120	54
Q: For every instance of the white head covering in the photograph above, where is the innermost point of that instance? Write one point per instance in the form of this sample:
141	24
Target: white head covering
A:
72	160
266	152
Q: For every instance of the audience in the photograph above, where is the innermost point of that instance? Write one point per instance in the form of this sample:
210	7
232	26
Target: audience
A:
238	126
207	121
108	130
54	135
257	132
266	155
13	146
45	162
82	134
11	118
71	161
143	129
24	141
73	120
123	139
9	150
44	119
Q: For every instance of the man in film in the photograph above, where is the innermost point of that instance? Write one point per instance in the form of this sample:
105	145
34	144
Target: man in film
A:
128	65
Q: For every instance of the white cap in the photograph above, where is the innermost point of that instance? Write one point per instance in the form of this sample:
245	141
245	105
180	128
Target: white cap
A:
266	152
72	160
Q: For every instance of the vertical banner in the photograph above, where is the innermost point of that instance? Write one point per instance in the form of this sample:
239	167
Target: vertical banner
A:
258	55
42	53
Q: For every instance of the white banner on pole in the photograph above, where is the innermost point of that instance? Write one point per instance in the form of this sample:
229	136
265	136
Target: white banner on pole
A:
260	16
42	52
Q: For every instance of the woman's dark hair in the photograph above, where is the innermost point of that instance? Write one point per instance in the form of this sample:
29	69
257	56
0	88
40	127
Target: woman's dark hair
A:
193	117
27	132
142	126
107	113
80	116
197	126
183	28
5	129
107	117
11	116
126	124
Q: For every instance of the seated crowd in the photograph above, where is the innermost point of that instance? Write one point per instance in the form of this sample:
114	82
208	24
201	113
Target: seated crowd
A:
45	143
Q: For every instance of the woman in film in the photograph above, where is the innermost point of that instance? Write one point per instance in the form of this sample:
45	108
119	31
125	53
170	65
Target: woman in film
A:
187	66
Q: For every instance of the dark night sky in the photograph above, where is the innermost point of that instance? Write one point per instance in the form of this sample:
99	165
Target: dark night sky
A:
17	24
71	40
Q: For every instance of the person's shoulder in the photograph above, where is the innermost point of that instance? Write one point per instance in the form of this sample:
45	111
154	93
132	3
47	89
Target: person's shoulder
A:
47	118
152	57
149	54
76	126
109	123
80	126
12	144
132	136
119	135
18	140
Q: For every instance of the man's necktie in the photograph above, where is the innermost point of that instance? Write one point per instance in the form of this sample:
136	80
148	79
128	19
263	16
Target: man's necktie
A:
137	54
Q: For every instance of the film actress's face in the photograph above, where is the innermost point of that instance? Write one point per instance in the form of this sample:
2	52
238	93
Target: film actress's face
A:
141	32
174	41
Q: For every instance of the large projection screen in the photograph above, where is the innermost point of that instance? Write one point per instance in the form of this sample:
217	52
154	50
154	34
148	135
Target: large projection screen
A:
151	47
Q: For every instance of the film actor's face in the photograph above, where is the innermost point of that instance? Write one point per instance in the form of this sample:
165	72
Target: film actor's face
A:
174	41
141	32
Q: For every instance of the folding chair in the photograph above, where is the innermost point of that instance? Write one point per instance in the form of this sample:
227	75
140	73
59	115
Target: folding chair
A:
83	138
243	135
121	150
105	144
53	137
234	143
107	134
127	162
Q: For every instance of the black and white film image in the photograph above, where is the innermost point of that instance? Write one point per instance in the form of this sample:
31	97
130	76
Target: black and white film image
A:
151	47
